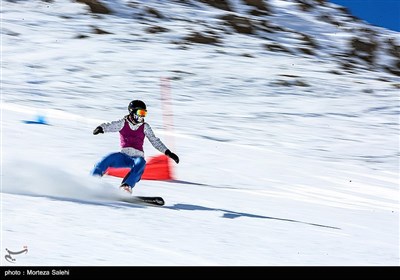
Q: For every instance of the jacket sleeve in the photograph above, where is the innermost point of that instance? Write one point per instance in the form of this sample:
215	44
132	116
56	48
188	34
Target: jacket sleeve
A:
113	126
156	142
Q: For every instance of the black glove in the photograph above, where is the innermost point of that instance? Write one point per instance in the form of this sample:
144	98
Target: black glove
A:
98	130
172	155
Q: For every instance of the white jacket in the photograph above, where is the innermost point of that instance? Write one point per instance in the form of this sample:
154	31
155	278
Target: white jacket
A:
116	126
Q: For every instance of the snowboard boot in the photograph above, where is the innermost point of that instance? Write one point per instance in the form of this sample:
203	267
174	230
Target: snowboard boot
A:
126	187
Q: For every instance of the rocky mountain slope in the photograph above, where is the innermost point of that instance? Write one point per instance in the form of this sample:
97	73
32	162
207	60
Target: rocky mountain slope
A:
312	28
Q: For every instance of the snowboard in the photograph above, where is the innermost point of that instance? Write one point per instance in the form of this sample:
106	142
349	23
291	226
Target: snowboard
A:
152	200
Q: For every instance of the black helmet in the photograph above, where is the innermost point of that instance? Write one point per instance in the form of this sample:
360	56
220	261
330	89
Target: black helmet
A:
136	104
137	110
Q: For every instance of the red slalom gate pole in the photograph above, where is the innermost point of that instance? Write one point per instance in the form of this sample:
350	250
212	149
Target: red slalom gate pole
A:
166	106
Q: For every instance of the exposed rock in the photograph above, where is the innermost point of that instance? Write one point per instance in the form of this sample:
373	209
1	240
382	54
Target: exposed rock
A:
247	55
154	12
220	4
81	36
306	51
95	6
97	30
329	19
347	65
259	4
199	38
258	13
286	83
335	72
266	26
304	5
343	10
240	24
394	49
308	40
275	47
395	69
289	75
133	4
364	48
182	1
300	83
156	29
282	83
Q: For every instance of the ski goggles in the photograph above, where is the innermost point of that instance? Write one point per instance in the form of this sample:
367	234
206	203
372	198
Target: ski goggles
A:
141	112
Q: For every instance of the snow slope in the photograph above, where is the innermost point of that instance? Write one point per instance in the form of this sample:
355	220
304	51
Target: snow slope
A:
283	161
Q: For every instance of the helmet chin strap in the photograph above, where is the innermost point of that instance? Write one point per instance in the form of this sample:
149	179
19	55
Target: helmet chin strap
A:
136	118
139	119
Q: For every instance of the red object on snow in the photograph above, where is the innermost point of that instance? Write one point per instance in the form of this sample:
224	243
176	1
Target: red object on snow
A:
157	168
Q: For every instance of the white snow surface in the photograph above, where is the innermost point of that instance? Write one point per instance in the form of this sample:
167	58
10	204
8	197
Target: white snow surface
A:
269	175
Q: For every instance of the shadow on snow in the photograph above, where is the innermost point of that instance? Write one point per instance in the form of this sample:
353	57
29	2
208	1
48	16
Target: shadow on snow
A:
233	214
189	207
106	203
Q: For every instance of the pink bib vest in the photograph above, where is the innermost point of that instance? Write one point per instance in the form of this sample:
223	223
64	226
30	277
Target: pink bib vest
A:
132	138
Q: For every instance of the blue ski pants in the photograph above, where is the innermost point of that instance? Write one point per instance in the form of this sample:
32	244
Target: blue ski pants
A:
119	160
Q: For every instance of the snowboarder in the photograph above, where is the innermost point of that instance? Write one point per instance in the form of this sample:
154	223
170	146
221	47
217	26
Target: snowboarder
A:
132	129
